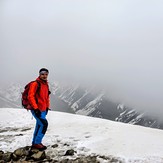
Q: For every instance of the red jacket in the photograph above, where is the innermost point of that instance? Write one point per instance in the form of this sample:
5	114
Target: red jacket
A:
41	99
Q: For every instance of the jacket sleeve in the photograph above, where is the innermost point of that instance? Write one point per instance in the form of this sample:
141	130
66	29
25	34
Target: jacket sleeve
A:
31	95
48	102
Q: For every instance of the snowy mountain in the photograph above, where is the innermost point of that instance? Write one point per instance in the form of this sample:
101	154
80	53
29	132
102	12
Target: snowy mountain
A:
88	136
84	101
4	102
11	96
96	104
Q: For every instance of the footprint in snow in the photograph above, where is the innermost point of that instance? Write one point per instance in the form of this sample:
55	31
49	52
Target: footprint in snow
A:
84	149
87	134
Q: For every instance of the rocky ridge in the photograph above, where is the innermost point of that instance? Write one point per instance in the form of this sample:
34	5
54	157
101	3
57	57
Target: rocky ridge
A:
28	155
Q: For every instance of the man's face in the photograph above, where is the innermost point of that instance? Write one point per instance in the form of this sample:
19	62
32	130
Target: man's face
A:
44	76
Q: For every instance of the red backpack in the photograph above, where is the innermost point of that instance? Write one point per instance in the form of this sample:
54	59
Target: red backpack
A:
24	99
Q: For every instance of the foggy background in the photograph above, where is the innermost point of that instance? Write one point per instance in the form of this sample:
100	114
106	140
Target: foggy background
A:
116	45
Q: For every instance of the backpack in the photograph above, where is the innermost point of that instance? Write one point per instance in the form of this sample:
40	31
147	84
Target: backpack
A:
24	99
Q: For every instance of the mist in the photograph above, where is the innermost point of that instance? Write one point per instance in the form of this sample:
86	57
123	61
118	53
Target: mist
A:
115	45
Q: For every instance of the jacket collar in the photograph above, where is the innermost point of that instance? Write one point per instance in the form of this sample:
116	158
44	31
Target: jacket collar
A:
42	81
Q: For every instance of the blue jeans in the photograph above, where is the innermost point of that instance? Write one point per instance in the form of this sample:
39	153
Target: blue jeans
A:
40	128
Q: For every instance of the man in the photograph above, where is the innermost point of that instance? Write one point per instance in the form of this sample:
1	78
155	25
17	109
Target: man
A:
38	97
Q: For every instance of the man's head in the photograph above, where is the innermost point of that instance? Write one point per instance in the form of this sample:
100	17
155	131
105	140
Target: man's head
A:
43	74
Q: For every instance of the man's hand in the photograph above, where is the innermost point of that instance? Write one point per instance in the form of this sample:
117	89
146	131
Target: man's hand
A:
37	113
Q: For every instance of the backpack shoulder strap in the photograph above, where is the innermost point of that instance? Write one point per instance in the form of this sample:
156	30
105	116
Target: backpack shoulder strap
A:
38	86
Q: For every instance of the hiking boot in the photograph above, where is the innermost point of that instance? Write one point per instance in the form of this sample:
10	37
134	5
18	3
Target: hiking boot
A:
39	147
44	146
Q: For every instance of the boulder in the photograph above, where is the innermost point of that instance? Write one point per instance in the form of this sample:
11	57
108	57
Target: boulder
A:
7	156
69	152
1	154
21	152
39	156
2	161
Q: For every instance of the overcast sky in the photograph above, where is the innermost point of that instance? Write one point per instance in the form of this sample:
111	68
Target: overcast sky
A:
116	44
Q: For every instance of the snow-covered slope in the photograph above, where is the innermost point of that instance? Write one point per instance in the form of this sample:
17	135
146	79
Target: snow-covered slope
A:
87	135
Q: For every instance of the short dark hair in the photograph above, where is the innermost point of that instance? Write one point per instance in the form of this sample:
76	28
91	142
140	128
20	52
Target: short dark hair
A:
43	69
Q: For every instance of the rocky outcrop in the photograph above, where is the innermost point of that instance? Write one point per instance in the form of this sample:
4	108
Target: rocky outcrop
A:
28	155
25	154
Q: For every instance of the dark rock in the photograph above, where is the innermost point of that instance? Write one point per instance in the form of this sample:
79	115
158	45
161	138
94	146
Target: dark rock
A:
69	152
54	146
88	159
114	160
65	161
1	151
19	135
30	153
111	159
15	157
1	155
66	144
55	161
92	159
7	156
27	148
